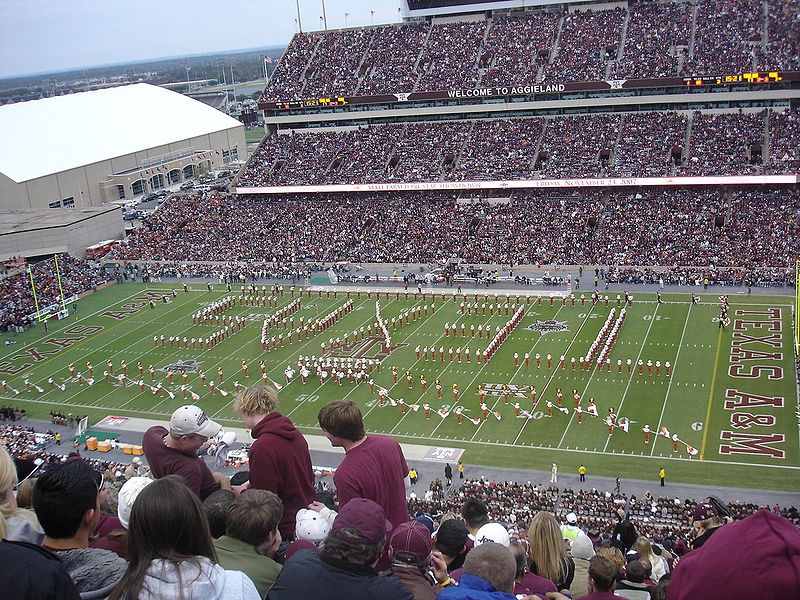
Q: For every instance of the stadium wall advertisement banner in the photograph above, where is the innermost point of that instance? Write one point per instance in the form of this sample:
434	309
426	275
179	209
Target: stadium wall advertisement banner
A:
523	184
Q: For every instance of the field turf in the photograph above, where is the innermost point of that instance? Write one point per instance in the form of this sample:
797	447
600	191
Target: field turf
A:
731	394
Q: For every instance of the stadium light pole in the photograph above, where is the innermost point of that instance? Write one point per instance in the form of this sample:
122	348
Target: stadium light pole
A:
299	22
372	17
324	16
345	19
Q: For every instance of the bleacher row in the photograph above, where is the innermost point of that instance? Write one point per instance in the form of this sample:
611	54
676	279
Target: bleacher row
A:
514	503
656	144
639	226
643	41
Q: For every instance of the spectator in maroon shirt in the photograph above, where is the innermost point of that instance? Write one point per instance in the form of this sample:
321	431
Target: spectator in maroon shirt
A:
174	452
279	458
373	467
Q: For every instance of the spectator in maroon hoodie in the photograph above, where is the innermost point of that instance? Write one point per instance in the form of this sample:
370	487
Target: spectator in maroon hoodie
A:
279	458
757	557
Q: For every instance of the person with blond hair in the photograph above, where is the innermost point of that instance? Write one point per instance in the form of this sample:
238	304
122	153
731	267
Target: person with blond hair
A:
16	524
645	550
615	556
547	552
279	458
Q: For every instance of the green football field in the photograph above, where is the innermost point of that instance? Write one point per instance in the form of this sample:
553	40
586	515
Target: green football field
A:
730	395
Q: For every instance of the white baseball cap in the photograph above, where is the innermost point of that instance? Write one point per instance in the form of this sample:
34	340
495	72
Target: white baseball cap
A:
192	420
492	532
127	496
572	518
311	526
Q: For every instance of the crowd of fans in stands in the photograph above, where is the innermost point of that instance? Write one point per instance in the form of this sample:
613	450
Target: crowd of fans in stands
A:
76	276
653	227
660	40
784	153
580	146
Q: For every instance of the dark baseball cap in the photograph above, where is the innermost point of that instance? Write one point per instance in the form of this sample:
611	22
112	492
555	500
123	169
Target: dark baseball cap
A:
703	511
366	517
411	543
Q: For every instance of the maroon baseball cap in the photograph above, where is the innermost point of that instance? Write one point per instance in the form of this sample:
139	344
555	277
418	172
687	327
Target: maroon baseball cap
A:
703	511
411	542
366	517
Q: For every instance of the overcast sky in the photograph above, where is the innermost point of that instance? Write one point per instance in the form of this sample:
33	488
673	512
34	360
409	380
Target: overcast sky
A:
54	35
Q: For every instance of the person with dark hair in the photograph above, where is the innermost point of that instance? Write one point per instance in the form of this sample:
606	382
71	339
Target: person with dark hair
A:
216	509
632	586
659	591
33	572
475	515
525	582
411	552
451	541
65	499
171	551
252	538
279	458
345	566
489	571
624	536
373	467
174	452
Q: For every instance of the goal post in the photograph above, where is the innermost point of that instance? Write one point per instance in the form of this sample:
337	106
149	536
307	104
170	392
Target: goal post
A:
40	316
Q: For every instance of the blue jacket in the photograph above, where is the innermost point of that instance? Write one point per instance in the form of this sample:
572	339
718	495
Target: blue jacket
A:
473	588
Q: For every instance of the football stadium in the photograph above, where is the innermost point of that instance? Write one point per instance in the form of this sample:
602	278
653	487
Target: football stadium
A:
528	242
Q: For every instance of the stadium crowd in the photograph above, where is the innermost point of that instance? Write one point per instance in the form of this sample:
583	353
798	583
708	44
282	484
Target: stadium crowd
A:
90	528
389	60
656	228
589	41
784	154
659	40
644	144
516	48
18	307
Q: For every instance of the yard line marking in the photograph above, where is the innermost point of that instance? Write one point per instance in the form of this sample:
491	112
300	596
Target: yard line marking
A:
91	336
439	373
711	395
630	378
666	397
519	368
105	330
541	396
311	340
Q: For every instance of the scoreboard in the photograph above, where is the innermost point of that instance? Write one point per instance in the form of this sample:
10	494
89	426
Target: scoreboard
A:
763	77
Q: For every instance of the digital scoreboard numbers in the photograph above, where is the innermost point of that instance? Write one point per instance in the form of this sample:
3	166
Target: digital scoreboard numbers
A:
764	77
320	102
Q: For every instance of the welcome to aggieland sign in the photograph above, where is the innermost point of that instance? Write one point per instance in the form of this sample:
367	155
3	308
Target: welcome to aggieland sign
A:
535	91
523	184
